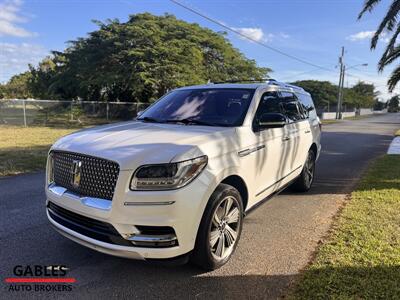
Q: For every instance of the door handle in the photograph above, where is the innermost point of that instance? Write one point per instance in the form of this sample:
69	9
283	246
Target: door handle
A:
249	151
307	131
285	138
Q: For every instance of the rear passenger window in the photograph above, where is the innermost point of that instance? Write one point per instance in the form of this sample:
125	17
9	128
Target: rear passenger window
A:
308	105
291	107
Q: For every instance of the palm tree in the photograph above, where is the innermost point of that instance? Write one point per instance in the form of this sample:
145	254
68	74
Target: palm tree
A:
388	27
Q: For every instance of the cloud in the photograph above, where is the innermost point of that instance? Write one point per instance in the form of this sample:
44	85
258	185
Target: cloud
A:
253	33
10	17
384	36
258	35
284	35
362	35
14	58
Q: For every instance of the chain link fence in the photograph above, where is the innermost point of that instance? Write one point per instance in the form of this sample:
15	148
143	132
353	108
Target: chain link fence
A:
22	112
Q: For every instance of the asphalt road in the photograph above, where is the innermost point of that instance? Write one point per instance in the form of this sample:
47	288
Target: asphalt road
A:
278	238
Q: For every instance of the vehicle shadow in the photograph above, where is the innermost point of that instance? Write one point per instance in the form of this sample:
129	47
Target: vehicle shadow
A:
338	170
112	277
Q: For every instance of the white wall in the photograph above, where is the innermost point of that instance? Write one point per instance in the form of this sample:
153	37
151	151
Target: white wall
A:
332	115
365	111
362	112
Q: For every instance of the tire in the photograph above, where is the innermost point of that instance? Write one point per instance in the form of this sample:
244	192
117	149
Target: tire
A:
216	228
304	182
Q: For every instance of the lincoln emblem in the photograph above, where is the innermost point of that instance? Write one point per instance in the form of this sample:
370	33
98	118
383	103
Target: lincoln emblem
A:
76	173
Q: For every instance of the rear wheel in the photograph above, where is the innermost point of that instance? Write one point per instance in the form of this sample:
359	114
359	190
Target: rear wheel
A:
304	182
220	228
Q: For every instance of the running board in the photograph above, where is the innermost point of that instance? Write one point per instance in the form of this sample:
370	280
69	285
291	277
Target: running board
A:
269	197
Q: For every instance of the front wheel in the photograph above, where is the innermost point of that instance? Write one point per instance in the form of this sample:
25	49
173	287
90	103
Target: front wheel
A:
304	182
220	228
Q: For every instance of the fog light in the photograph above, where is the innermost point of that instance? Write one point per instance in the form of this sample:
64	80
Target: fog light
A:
154	241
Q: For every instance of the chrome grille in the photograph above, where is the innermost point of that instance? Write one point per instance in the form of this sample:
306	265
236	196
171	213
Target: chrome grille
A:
98	176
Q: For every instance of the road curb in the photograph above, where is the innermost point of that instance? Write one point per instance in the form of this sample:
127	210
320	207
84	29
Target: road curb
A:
394	147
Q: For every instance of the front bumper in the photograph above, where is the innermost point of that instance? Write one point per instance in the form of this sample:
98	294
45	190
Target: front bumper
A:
116	250
180	209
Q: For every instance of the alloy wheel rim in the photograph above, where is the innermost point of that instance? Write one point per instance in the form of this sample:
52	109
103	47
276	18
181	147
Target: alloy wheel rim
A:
309	168
224	228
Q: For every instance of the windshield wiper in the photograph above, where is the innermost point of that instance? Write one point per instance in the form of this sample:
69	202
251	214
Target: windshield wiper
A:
150	119
188	121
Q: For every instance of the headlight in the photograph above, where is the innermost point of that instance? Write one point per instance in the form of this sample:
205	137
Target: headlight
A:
167	176
50	169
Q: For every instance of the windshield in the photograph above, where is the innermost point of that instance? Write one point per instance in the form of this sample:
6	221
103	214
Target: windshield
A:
212	107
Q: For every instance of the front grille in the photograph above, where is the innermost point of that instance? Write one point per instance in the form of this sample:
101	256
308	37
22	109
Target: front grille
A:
98	176
89	227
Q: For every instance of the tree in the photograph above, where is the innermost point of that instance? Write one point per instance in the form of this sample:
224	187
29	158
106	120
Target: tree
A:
361	95
323	92
389	26
2	91
41	79
379	105
17	87
142	59
394	104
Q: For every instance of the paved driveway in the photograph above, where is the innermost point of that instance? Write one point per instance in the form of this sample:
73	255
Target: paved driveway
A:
278	238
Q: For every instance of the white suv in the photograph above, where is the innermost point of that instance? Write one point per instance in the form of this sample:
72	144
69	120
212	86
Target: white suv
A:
177	182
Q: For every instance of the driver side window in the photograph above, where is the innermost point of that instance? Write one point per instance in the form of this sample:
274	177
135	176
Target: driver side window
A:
270	102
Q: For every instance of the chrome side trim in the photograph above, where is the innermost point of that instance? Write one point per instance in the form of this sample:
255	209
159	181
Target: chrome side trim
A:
98	203
57	190
249	151
148	203
152	238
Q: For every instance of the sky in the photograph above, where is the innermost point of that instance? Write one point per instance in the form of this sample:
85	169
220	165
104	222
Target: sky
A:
312	30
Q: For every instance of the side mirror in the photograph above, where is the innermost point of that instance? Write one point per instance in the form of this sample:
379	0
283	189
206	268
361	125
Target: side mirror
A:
310	108
139	113
272	120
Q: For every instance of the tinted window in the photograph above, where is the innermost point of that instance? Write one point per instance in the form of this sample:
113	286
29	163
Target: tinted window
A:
280	102
270	102
219	107
291	107
308	105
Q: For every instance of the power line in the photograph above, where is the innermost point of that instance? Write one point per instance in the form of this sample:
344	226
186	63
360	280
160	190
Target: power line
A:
359	78
316	67
297	74
249	38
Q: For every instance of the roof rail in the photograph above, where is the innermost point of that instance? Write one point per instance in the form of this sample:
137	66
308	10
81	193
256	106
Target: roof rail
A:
246	80
295	87
261	80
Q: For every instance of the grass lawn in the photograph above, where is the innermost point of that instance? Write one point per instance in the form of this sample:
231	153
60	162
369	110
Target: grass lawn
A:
361	257
359	117
326	122
355	118
25	149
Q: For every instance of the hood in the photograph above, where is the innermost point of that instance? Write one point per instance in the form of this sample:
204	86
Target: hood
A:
137	143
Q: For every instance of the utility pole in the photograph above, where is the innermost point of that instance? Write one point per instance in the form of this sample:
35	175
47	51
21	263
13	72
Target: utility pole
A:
342	92
341	81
